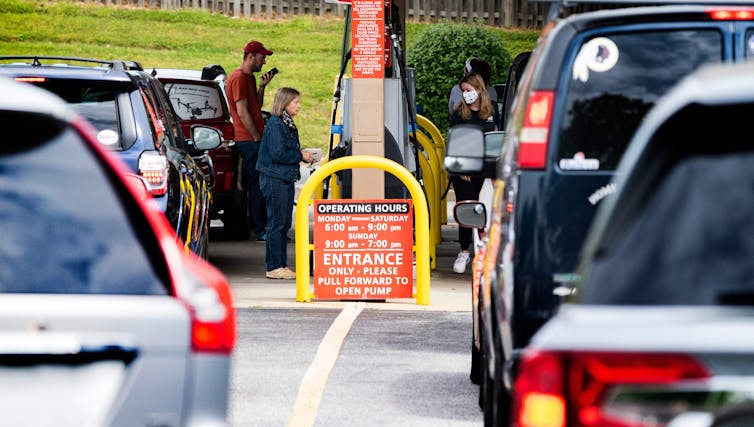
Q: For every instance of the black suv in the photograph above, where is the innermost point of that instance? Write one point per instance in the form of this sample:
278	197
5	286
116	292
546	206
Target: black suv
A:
198	97
588	84
134	118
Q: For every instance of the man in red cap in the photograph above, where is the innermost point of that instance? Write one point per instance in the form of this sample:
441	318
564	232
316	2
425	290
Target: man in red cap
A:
246	100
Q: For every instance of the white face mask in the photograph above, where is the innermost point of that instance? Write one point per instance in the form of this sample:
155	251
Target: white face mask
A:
470	96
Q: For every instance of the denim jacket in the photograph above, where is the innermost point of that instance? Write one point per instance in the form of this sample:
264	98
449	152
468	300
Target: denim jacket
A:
279	151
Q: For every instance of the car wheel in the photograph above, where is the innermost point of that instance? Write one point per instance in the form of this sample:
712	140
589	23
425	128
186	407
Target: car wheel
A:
483	375
475	372
475	369
205	246
501	398
236	218
487	397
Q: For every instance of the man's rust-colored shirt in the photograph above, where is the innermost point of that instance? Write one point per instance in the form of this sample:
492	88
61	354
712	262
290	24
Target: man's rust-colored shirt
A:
240	86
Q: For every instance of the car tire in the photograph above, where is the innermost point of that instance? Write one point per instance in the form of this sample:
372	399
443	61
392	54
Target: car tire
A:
476	356
501	397
483	383
474	373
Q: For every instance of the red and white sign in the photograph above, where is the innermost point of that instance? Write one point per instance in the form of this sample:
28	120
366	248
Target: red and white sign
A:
363	249
368	39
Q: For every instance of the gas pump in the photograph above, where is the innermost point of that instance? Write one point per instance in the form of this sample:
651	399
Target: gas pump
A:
364	102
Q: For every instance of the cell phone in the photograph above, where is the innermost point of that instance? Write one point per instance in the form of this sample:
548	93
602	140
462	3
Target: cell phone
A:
273	71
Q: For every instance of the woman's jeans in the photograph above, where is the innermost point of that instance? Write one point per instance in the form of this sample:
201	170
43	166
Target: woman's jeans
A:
249	151
279	196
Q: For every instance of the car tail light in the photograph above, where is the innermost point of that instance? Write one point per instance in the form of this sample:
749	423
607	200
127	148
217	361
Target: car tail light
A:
532	148
555	389
206	293
731	14
153	166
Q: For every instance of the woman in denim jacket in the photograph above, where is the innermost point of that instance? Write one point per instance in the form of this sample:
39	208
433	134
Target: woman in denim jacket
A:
279	156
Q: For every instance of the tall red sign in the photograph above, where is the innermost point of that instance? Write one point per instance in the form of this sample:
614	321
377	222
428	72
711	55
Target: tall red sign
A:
363	249
367	39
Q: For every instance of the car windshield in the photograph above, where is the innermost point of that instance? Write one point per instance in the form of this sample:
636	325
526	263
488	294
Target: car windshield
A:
616	79
195	101
64	228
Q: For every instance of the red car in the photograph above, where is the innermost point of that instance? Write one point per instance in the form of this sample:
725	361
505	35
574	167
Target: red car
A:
198	98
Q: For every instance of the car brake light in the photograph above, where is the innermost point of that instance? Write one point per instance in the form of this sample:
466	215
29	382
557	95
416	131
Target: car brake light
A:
31	79
731	14
213	321
532	148
550	382
153	166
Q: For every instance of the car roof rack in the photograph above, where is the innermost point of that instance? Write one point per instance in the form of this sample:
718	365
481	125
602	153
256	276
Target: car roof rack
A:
556	6
116	65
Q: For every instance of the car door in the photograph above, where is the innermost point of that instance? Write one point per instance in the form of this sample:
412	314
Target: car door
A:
194	197
89	331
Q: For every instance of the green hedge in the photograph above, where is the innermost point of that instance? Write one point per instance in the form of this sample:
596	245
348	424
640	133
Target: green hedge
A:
438	56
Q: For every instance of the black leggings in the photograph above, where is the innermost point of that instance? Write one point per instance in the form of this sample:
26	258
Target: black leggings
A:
466	190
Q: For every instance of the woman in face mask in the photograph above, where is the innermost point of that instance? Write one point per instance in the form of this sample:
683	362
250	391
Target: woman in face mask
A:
474	108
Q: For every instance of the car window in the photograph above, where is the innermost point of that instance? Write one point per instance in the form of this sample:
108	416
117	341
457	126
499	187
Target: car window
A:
99	103
750	44
616	78
687	235
64	228
156	127
195	102
167	115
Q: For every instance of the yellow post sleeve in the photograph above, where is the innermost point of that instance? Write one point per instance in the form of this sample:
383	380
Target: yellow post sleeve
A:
303	291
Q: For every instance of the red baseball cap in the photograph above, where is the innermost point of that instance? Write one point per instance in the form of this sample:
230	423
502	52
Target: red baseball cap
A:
256	47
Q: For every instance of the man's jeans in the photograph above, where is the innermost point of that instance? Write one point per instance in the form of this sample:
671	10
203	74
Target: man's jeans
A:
249	151
279	196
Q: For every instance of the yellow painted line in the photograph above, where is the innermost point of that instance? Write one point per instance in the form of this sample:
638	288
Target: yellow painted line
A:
314	382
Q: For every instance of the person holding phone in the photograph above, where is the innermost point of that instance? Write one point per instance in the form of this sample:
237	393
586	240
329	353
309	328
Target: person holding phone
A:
245	99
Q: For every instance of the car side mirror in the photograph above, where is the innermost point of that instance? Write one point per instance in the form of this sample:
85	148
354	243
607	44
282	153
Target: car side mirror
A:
464	150
206	138
470	214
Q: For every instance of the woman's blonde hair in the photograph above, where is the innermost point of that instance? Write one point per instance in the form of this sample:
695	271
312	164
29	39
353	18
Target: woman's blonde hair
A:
283	97
485	103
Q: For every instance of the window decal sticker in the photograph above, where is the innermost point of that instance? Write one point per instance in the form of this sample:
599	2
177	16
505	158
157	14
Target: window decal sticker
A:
579	162
107	137
601	193
599	55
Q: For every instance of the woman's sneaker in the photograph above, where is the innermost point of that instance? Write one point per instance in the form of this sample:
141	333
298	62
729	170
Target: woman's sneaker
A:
281	273
463	258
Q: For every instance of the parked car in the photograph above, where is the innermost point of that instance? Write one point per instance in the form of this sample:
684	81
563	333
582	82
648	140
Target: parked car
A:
588	84
133	118
493	147
660	324
198	97
104	319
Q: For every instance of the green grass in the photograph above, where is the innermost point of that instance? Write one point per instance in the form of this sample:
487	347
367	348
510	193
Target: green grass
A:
307	49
